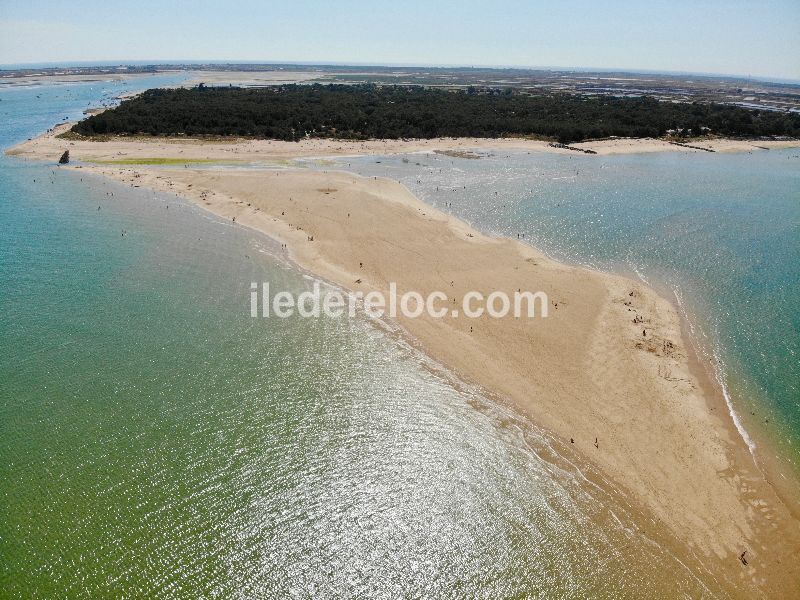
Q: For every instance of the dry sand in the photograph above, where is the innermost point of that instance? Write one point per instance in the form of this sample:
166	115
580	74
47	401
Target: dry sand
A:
35	79
274	151
586	372
252	78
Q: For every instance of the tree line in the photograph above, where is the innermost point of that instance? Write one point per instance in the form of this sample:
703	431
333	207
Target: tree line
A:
358	112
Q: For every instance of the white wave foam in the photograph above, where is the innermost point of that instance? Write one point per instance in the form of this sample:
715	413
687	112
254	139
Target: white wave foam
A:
719	373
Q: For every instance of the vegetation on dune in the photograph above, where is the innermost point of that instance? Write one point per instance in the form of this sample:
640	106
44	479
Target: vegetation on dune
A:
158	161
294	112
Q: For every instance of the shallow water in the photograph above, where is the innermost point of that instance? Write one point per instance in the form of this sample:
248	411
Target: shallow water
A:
719	232
157	440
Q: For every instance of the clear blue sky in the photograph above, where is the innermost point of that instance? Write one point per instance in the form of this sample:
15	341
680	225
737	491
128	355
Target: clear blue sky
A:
745	37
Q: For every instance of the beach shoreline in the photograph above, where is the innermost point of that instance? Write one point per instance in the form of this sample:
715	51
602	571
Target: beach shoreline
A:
598	305
40	79
122	150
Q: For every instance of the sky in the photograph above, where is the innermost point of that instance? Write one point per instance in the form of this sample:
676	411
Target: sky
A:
758	38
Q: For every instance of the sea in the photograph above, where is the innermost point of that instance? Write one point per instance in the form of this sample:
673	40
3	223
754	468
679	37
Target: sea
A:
157	441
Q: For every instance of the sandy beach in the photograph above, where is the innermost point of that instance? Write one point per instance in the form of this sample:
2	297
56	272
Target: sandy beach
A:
609	372
234	150
63	79
252	78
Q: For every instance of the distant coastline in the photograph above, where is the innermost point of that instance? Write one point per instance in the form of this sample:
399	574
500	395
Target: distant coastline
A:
758	93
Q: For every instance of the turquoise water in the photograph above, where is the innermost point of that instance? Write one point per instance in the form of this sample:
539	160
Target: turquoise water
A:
719	233
156	441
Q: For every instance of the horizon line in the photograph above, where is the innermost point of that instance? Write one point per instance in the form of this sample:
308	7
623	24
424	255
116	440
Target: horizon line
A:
574	69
